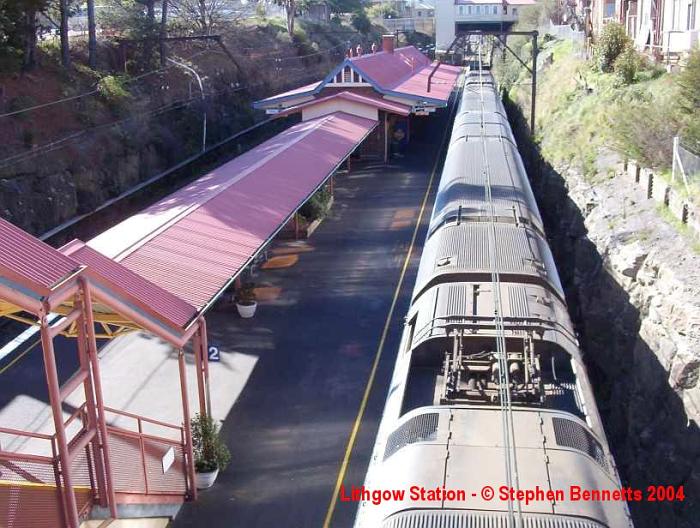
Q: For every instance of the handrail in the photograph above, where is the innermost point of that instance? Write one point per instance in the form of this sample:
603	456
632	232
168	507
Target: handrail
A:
450	321
135	434
16	432
143	418
26	457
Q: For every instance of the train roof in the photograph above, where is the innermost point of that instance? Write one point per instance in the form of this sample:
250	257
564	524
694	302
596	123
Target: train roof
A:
462	448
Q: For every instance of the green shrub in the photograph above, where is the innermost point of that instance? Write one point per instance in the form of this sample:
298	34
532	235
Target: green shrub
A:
382	11
317	206
360	21
112	88
210	452
689	83
612	42
627	65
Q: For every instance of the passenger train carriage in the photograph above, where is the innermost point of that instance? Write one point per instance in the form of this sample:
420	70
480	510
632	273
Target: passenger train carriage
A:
487	300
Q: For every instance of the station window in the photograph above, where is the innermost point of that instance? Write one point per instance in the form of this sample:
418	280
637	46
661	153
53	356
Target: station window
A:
461	10
494	10
469	10
514	11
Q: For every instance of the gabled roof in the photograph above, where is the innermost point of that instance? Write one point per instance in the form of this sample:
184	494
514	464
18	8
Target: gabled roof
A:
145	296
31	262
374	102
195	241
403	73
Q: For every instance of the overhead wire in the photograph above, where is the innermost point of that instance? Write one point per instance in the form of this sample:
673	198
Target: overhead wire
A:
508	429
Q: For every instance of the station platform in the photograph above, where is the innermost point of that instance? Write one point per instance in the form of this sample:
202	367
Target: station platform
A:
314	338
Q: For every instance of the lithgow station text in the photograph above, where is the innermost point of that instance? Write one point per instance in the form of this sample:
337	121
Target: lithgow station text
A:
505	493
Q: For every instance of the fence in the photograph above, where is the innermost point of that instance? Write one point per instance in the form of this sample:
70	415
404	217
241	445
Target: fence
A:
30	483
151	456
686	164
148	458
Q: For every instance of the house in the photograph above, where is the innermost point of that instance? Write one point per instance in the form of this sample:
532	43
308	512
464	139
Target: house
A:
666	27
454	17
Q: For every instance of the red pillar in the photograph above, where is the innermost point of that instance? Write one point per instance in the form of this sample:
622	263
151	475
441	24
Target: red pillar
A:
99	400
200	352
70	507
187	426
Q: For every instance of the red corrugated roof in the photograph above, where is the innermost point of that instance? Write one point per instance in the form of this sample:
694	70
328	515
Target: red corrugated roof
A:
374	102
194	241
406	71
124	283
30	260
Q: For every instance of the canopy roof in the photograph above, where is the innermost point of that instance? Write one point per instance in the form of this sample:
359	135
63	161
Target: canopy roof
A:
30	264
195	241
36	278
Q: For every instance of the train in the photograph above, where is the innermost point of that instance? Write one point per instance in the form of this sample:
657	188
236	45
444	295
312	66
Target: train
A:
490	419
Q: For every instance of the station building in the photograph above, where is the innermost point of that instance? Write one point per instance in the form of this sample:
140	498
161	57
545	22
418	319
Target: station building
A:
390	86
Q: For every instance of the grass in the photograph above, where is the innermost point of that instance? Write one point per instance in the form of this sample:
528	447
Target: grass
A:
680	227
577	105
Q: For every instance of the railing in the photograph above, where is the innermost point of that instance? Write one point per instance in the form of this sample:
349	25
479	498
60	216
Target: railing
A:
30	483
148	463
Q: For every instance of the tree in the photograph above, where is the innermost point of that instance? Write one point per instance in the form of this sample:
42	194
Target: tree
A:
65	44
290	8
18	32
202	15
92	35
361	22
163	31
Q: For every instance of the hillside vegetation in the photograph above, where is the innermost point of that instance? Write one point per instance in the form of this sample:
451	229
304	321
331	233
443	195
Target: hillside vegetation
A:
615	104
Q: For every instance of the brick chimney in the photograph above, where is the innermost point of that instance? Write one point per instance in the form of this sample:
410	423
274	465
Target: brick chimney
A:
388	43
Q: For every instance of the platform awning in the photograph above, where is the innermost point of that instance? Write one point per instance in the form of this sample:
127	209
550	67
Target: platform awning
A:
30	269
195	241
37	279
112	281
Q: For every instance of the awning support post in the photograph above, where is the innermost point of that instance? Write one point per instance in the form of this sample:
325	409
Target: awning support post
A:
66	489
201	352
94	361
187	426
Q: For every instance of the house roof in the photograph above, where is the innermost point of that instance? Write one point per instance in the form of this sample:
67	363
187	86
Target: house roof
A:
374	102
403	73
193	242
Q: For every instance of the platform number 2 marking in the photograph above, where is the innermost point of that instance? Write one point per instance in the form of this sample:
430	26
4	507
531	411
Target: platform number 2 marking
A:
214	354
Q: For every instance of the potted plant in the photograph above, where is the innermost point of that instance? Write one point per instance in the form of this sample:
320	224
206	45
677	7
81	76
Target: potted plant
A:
210	452
245	301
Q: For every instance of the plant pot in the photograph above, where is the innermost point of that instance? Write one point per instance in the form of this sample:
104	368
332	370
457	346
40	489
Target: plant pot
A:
205	479
247	310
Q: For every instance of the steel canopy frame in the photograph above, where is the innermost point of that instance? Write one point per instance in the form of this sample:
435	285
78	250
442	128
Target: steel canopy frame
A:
501	35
